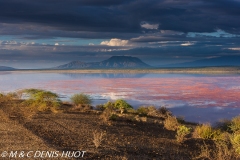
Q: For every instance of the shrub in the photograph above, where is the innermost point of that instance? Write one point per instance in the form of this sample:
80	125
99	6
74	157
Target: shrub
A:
2	98
235	141
80	99
223	151
164	112
205	152
223	125
152	111
122	105
5	97
142	111
41	100
82	107
171	123
100	107
118	104
140	119
109	104
205	131
12	95
182	131
98	137
235	124
113	117
106	115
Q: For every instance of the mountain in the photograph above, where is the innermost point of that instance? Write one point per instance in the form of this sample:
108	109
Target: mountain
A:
113	62
4	68
222	61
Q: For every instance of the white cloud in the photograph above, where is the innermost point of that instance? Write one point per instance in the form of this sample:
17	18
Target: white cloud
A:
218	33
235	49
115	42
56	44
9	43
187	44
91	44
149	26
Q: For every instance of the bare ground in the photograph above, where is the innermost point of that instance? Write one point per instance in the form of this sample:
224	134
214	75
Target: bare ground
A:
123	139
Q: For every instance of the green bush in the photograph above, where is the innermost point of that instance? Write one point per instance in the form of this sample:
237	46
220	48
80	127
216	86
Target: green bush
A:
41	100
235	141
142	111
109	104
81	99
118	105
182	131
205	131
122	105
235	124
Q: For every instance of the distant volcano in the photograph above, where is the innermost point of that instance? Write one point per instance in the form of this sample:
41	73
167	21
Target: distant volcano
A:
113	62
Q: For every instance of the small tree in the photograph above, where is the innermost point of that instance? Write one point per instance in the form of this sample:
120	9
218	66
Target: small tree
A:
122	105
81	99
41	100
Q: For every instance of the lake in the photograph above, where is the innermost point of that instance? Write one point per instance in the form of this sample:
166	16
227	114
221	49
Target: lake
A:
197	97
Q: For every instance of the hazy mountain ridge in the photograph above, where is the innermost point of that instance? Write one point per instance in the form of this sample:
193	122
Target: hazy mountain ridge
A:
223	61
5	68
112	62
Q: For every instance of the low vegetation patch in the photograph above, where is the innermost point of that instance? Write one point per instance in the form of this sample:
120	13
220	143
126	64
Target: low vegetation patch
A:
98	137
235	124
171	123
152	111
122	105
41	100
205	131
81	99
182	132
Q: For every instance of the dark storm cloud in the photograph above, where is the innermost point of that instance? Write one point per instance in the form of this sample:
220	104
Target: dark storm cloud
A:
124	16
150	29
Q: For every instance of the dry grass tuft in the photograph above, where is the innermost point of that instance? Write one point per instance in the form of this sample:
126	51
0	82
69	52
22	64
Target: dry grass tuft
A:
171	123
98	137
205	131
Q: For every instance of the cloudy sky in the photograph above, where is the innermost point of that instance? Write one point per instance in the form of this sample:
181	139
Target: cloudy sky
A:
46	33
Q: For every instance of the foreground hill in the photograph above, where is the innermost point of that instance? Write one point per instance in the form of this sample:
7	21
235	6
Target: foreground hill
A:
114	62
4	68
211	62
109	133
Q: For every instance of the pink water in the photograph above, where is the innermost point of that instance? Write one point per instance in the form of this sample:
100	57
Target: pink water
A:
197	97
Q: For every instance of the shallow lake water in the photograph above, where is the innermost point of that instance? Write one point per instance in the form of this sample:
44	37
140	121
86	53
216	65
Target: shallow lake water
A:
196	97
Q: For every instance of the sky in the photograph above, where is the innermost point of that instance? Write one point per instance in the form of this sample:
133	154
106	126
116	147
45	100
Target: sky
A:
47	33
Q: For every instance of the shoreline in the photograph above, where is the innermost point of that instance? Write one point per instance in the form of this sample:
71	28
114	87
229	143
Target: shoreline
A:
202	70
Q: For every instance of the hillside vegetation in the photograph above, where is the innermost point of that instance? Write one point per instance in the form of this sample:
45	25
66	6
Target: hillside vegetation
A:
115	130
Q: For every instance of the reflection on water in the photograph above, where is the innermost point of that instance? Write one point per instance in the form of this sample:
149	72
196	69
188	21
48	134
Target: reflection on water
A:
199	98
105	75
